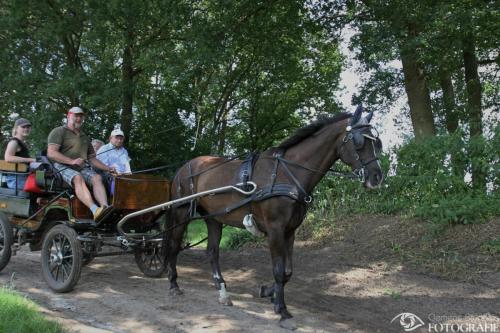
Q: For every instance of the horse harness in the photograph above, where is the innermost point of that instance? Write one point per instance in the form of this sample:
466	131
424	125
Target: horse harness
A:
356	135
293	190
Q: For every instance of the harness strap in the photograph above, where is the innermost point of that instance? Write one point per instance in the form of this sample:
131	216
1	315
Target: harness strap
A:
274	175
370	161
265	193
192	203
292	177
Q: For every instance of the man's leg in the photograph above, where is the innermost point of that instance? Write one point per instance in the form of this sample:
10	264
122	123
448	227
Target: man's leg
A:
99	190
82	192
93	179
77	181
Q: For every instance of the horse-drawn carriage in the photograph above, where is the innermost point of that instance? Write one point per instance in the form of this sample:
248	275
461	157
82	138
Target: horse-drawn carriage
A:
50	218
268	193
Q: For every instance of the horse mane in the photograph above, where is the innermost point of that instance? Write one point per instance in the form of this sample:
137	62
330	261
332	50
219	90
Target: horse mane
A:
307	131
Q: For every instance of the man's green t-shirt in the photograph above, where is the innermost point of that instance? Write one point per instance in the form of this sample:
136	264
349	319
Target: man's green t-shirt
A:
71	144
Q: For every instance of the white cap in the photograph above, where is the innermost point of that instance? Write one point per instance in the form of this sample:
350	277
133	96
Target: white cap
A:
117	132
75	109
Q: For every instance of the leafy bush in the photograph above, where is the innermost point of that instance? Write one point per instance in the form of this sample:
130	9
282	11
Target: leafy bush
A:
237	238
427	179
232	238
459	209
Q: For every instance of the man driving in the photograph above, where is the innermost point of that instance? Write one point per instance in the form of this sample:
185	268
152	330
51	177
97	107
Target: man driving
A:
73	155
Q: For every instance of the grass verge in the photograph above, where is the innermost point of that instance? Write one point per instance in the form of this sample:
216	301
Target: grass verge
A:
20	315
232	238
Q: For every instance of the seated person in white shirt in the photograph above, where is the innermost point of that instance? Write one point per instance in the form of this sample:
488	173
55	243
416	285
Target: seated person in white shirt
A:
114	155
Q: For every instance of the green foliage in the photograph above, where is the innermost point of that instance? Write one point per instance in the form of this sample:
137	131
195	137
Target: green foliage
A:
19	315
183	78
458	209
426	179
236	238
232	238
492	246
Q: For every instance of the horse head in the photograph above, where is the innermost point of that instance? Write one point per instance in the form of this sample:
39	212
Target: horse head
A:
360	148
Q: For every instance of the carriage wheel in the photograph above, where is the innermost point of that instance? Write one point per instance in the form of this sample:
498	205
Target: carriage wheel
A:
6	240
150	261
61	258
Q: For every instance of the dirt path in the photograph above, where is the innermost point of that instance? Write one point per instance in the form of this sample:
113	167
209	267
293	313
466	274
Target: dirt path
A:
328	293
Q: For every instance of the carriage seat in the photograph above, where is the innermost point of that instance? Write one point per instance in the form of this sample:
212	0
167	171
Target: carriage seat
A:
7	168
47	177
13	167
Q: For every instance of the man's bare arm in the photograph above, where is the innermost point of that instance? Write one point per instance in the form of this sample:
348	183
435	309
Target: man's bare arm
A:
98	164
55	155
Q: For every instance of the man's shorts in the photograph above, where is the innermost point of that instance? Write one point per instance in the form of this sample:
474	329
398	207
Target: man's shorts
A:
68	173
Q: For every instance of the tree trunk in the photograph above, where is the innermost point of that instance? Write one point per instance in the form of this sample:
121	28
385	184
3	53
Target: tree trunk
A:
418	98
474	111
449	106
222	136
127	85
417	91
458	162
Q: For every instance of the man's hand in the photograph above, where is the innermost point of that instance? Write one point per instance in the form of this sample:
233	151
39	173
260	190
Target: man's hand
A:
78	161
112	170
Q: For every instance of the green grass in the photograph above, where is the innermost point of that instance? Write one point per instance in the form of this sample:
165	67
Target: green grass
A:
20	315
492	246
232	238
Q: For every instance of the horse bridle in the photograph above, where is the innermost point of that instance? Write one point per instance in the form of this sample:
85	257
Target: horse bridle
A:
354	134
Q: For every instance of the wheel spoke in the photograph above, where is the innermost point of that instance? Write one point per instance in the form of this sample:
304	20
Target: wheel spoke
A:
57	273
157	262
64	272
54	244
64	248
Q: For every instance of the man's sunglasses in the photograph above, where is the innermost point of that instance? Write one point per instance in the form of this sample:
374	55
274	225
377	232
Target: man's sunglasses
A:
26	126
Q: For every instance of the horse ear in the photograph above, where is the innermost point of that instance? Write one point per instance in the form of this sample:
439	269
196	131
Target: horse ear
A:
357	114
369	116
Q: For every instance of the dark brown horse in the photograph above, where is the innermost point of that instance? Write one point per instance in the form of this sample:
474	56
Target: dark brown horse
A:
285	177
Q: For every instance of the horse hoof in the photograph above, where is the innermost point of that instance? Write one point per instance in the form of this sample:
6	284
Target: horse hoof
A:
262	292
288	324
225	301
176	292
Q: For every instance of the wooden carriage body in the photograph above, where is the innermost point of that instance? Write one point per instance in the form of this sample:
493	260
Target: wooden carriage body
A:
52	219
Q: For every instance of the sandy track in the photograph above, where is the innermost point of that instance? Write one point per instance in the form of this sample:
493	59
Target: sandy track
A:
326	294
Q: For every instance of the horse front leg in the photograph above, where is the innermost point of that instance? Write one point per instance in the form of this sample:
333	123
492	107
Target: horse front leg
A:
266	291
278	249
214	230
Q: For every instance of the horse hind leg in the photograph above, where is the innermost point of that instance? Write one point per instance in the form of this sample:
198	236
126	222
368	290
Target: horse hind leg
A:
214	230
266	291
178	222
